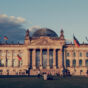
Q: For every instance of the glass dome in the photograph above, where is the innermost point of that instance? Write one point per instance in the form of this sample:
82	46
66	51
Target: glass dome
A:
44	32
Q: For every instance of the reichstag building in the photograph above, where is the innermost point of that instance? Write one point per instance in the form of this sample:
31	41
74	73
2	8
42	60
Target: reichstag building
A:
43	52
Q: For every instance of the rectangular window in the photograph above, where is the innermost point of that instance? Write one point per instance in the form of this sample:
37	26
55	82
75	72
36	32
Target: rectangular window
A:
67	54
87	54
80	54
74	54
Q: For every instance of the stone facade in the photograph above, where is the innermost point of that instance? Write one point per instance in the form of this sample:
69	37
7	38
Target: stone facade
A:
43	54
76	59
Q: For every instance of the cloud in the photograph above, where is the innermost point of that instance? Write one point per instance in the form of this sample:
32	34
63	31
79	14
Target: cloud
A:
33	29
13	19
12	27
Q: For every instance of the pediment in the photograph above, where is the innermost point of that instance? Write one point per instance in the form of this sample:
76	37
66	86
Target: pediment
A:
43	41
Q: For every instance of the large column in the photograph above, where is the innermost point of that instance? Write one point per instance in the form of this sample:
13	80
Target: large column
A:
60	58
48	59
10	58
6	57
34	59
40	58
77	58
25	58
29	58
54	58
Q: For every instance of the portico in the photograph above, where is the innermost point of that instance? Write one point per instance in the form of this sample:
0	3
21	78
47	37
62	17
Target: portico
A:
41	58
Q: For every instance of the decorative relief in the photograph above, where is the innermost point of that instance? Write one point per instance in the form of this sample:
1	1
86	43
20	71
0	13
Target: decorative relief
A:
44	42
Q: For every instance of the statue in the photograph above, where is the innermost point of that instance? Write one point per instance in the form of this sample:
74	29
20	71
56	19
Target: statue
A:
27	37
62	34
27	32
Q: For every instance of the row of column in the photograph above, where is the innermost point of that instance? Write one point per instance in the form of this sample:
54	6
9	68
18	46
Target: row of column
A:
41	59
9	60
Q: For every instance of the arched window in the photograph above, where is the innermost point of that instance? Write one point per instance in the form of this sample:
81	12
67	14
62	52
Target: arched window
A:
67	63
86	62
80	62
74	62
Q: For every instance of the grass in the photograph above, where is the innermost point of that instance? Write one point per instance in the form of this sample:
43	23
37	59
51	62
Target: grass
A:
34	82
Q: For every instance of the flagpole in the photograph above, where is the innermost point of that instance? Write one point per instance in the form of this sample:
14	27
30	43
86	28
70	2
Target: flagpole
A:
5	39
73	53
76	44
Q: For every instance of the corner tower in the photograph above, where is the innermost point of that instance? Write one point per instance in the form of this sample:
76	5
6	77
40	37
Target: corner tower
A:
27	38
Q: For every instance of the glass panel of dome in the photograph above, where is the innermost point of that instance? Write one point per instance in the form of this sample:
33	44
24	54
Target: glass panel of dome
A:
44	32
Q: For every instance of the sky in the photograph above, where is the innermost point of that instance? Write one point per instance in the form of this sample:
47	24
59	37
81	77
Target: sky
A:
18	15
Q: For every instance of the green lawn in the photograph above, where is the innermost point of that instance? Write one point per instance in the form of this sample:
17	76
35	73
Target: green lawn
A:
31	82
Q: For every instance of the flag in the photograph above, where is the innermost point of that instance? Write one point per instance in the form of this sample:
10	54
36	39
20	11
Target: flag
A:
19	58
76	42
5	38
